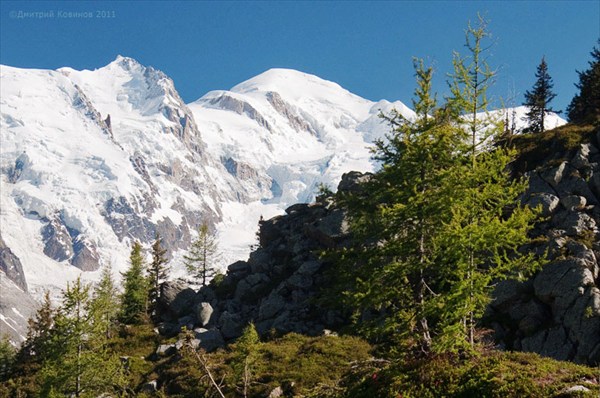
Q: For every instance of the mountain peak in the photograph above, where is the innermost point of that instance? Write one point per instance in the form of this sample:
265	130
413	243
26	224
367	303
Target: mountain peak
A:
126	63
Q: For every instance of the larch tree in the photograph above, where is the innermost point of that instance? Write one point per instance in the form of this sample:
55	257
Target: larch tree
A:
585	105
479	245
201	260
157	274
77	364
396	222
438	224
538	99
105	303
135	289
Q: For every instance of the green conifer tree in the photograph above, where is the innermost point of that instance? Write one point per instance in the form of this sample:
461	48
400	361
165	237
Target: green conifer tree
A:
135	289
201	261
585	106
77	364
246	349
105	303
157	274
538	99
479	244
396	223
438	224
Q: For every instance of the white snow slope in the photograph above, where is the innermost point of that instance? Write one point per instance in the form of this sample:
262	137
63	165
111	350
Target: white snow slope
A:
77	189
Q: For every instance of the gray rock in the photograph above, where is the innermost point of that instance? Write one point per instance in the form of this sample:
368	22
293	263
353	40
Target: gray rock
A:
86	258
270	307
300	281
548	202
573	202
204	312
165	350
574	223
210	340
230	325
11	266
277	392
555	175
57	241
150	387
574	390
309	268
582	156
14	324
353	181
239	267
176	300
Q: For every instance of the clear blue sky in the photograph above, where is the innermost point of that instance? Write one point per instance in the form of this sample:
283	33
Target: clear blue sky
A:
364	46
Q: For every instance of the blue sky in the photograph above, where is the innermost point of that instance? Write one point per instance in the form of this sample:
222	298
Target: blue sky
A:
366	47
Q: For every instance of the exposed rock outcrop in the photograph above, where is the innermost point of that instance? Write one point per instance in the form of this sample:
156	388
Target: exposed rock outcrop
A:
275	288
557	312
11	266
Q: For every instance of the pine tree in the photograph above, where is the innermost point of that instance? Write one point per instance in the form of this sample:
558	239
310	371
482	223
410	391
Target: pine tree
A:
7	358
585	106
38	332
105	303
157	274
135	289
203	255
538	99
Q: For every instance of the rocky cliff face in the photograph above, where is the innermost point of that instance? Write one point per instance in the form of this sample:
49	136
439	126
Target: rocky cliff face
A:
275	288
557	312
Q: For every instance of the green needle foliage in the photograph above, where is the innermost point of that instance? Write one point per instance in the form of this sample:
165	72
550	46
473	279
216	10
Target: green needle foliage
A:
201	261
157	274
585	105
105	303
135	289
538	99
440	223
78	363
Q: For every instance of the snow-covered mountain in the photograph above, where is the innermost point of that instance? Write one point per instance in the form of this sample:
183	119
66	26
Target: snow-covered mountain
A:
92	160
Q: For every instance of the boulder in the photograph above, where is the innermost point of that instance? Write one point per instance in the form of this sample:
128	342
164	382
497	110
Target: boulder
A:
210	339
204	312
573	202
547	201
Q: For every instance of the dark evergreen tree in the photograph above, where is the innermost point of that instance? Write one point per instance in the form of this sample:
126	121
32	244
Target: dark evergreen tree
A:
135	289
40	326
7	358
201	261
585	106
157	274
538	99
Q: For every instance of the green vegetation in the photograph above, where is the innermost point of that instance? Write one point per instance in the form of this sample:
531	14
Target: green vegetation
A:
203	255
134	300
433	234
550	147
300	365
585	106
538	99
491	374
157	274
